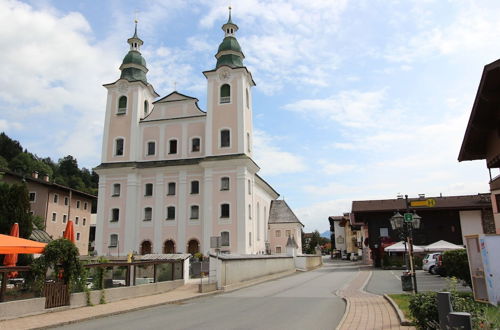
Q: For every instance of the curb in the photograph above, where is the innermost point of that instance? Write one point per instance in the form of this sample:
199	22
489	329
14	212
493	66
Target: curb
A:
123	311
401	316
347	307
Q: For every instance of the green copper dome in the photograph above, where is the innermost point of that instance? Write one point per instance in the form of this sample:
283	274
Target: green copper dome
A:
229	43
134	57
231	60
134	74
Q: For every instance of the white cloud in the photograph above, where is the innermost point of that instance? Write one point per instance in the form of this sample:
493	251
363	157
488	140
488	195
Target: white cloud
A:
315	216
273	160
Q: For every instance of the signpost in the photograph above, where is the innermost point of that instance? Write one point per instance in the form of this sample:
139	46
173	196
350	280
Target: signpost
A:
408	217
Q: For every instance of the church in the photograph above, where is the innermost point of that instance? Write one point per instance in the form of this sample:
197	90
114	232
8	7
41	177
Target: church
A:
172	176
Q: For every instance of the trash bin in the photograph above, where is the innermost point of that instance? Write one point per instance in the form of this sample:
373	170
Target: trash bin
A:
406	282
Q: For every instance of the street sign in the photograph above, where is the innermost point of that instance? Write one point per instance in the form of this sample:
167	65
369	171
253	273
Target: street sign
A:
430	202
408	217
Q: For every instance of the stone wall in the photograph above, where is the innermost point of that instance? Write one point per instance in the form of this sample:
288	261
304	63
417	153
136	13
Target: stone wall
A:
308	262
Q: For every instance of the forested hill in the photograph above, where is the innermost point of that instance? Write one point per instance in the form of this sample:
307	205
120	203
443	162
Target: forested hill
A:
65	171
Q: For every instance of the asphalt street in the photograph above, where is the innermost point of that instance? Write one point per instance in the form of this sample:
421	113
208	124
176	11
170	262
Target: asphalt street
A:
301	301
388	281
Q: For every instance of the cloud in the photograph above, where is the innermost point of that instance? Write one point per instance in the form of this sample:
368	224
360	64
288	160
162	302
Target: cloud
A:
273	160
315	216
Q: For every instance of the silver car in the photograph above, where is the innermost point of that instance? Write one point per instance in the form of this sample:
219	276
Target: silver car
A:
429	262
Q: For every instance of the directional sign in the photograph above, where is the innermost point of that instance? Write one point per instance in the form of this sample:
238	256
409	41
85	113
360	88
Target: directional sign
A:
408	217
430	202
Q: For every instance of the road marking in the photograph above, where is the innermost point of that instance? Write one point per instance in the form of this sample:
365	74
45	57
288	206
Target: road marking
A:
396	276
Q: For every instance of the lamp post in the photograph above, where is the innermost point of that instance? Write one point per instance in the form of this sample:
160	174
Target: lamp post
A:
406	224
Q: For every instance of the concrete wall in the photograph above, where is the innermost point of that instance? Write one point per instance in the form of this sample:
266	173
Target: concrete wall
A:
18	308
470	223
232	270
308	262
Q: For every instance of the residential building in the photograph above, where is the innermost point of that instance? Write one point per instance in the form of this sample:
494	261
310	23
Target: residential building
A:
172	175
482	135
57	204
349	237
283	225
447	218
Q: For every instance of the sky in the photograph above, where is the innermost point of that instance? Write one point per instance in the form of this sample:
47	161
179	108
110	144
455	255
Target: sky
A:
355	100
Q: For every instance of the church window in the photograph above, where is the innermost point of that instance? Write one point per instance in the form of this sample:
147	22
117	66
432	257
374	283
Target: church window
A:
224	211
249	148
151	148
249	187
195	212
148	213
119	147
225	93
225	138
146	108
195	145
172	146
247	98
224	238
148	189
171	188
195	187
224	183
113	240
171	213
115	215
250	239
278	249
249	211
116	190
122	105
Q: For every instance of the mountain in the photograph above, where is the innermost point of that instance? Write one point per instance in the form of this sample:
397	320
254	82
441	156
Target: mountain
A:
326	234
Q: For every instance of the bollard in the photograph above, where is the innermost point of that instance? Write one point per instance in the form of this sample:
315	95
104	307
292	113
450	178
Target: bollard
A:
444	308
459	320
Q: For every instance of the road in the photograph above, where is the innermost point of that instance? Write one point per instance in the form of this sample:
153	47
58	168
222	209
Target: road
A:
301	301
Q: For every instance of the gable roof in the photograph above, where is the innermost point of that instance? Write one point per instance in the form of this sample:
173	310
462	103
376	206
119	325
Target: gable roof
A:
175	96
280	212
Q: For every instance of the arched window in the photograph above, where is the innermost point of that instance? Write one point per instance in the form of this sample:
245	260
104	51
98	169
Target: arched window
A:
224	238
224	211
169	246
224	183
193	246
113	240
148	213
146	247
195	212
249	144
225	93
122	105
119	147
195	145
225	138
249	211
146	108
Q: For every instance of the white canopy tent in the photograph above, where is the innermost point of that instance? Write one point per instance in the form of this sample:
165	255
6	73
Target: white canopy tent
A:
442	245
400	247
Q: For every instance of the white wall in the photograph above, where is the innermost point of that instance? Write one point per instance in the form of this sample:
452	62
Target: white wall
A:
470	222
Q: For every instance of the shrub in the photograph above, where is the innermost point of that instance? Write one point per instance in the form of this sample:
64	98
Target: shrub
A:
456	264
423	309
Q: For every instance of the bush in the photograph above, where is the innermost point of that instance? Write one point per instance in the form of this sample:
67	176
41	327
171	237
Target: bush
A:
423	309
456	264
418	262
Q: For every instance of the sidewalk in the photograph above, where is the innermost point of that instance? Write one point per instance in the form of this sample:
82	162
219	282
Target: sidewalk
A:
47	320
365	310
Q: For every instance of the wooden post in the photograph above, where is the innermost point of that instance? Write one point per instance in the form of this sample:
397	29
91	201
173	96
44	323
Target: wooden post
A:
3	288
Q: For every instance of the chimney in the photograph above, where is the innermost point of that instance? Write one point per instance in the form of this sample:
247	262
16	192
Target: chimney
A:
34	175
421	196
46	178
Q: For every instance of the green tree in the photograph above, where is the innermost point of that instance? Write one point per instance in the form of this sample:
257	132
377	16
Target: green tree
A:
9	148
26	163
68	166
15	207
4	164
456	264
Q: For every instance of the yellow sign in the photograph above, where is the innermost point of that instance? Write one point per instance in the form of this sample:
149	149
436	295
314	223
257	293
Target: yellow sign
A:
427	202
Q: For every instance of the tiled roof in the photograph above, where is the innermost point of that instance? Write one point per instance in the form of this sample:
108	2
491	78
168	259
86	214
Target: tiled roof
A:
40	236
280	212
448	202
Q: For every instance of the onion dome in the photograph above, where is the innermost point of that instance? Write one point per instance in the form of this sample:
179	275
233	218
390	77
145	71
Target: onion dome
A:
229	52
134	65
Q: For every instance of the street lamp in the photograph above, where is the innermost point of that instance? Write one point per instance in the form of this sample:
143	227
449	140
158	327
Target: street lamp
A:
406	224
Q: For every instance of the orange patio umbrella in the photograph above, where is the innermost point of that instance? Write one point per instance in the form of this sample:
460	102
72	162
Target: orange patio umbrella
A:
69	233
10	245
10	260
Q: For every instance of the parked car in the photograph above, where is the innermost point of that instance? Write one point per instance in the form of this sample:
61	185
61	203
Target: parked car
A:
439	268
429	262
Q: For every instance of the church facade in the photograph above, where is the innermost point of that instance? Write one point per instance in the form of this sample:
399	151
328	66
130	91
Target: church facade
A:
172	176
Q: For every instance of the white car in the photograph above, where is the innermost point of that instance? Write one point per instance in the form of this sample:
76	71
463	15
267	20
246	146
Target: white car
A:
429	262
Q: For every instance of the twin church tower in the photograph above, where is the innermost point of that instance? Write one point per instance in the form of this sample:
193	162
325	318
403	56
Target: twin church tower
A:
171	175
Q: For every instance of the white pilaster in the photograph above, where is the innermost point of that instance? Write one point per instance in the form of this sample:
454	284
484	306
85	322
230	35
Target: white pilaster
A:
101	220
240	211
131	214
240	115
181	213
158	217
206	220
210	117
184	140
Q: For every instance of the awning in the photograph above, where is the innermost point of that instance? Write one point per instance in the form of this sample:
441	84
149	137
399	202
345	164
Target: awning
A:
442	246
10	244
400	247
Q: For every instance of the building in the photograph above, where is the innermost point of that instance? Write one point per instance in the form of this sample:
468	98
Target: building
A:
348	237
482	135
283	226
172	175
447	218
57	204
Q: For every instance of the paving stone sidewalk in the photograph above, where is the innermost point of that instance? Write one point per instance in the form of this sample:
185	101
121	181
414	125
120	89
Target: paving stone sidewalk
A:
366	310
52	319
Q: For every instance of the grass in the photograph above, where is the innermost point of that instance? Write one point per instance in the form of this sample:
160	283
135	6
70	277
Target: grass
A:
403	302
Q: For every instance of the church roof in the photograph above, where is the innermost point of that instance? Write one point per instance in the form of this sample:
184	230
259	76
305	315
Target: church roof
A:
134	57
280	212
229	43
